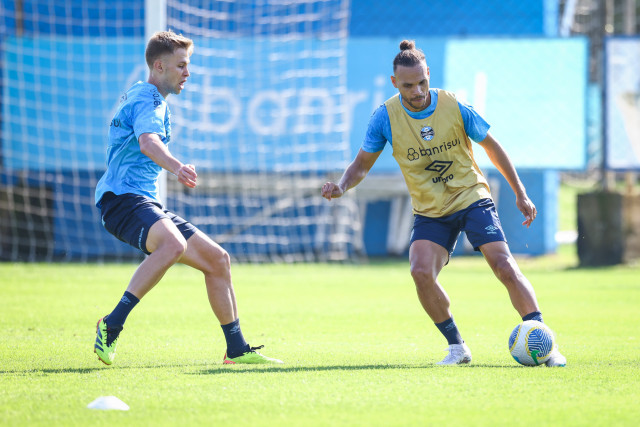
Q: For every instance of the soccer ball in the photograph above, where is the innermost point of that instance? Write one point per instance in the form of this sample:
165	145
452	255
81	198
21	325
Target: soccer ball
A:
531	343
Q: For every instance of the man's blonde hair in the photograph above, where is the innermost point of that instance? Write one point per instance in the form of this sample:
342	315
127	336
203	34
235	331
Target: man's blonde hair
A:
166	42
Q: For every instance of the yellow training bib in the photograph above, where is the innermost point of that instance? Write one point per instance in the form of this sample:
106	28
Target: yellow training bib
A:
436	158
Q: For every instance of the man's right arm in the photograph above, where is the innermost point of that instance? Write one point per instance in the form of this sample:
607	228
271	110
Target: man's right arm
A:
377	135
152	146
352	176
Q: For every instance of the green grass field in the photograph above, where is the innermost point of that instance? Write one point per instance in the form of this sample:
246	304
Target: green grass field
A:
358	348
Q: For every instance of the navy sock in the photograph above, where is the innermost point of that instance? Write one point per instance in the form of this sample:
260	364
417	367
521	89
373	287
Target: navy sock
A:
122	310
450	331
236	345
536	315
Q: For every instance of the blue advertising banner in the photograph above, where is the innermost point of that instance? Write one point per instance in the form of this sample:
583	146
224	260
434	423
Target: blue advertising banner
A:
531	91
622	100
286	105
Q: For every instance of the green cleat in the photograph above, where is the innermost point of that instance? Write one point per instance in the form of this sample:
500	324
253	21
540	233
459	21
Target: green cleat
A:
251	357
106	340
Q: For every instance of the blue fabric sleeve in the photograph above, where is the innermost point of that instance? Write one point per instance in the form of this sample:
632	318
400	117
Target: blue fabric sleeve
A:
378	131
148	116
475	126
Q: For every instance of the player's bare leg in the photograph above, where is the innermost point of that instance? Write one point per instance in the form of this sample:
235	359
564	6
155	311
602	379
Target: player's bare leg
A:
506	269
427	260
166	244
520	290
213	261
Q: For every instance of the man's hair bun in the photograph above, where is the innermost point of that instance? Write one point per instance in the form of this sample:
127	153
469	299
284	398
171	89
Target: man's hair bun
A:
407	45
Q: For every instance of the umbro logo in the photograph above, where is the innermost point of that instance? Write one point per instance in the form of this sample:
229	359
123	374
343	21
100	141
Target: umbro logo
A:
491	229
439	166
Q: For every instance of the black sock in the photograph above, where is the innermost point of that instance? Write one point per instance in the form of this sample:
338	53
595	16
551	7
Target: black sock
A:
119	314
536	315
450	331
236	345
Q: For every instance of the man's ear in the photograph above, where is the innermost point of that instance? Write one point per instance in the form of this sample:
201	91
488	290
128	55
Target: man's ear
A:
158	65
393	80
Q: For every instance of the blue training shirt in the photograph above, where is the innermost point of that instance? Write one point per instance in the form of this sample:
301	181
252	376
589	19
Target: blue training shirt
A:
142	110
379	130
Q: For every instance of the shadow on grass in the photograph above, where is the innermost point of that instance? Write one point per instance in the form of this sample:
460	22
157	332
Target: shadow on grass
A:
99	368
230	369
32	371
244	369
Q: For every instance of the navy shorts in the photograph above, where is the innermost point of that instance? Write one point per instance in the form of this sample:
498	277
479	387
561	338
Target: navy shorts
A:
479	221
130	216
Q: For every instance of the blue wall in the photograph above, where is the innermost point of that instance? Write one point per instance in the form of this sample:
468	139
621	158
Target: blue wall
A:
378	18
434	18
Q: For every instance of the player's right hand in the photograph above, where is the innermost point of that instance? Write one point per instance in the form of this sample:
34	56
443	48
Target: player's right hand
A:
528	209
331	190
187	175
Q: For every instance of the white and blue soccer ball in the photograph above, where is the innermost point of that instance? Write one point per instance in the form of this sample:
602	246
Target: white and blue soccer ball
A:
531	343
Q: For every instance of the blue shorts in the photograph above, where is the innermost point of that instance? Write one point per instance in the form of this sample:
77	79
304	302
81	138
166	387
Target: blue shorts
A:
130	216
479	221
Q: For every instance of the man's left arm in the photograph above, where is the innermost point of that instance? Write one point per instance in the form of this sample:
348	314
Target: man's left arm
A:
502	162
152	146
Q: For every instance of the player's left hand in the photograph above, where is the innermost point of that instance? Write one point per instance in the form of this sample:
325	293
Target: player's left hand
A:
331	190
187	175
528	209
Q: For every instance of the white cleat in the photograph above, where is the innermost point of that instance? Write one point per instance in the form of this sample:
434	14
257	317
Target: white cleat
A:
458	354
556	359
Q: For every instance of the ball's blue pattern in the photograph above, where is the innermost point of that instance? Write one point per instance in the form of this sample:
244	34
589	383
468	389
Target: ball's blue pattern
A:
539	340
513	336
531	343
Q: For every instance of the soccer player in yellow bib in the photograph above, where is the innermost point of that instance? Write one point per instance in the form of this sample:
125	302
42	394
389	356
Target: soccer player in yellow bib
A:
430	133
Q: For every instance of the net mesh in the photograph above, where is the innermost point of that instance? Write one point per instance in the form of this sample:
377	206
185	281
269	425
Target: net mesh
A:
262	118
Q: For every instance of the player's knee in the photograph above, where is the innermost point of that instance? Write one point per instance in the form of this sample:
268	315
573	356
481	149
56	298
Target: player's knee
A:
174	247
423	276
224	261
219	263
507	271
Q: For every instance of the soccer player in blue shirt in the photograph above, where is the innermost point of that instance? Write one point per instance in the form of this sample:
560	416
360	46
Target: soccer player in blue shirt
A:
127	196
430	133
